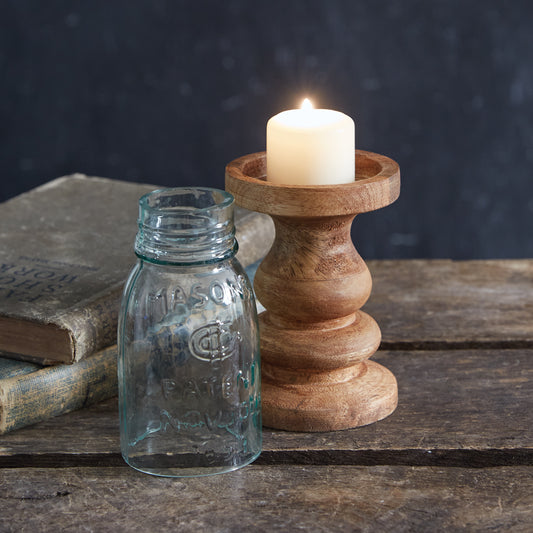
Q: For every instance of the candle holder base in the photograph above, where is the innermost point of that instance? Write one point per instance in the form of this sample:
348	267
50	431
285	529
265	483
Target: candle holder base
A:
315	342
362	400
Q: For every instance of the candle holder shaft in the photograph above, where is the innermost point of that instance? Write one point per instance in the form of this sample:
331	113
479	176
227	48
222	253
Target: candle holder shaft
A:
315	340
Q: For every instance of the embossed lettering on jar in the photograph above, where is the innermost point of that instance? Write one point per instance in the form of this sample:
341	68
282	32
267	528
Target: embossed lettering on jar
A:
189	373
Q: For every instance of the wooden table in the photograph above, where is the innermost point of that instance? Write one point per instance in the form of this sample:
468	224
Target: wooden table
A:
455	456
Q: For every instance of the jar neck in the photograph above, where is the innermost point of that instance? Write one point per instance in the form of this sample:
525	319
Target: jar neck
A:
186	226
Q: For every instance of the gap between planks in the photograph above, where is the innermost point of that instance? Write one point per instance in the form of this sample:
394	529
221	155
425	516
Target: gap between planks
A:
413	346
487	458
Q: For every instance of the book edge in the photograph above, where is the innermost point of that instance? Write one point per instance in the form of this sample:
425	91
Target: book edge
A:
74	176
100	388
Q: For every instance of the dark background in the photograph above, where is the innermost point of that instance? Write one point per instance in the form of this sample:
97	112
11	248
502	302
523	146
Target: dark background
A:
168	92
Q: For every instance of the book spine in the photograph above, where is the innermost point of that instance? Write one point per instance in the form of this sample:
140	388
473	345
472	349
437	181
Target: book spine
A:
92	325
51	391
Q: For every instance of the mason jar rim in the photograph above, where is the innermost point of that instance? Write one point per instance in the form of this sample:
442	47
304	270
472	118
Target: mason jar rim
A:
227	199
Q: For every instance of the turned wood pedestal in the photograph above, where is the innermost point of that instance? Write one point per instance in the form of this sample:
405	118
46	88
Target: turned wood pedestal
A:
315	341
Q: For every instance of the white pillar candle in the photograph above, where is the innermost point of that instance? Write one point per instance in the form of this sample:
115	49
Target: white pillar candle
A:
310	147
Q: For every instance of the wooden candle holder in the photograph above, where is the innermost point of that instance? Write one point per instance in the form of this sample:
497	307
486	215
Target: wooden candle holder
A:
315	342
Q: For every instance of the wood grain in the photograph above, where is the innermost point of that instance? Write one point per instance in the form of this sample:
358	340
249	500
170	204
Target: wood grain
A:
457	454
312	283
282	498
376	185
457	408
443	304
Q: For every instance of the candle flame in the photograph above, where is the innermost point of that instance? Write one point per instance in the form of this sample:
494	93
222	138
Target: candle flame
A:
307	104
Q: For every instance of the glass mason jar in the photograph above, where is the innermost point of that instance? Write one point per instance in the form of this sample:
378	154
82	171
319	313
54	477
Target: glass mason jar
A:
188	367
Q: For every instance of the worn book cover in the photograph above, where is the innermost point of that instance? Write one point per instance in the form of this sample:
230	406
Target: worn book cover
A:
66	249
30	393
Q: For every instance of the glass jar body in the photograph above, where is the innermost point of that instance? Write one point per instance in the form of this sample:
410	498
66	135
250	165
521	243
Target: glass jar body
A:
189	371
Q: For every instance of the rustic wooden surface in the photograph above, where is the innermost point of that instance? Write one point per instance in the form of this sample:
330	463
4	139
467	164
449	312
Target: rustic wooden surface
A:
443	402
272	498
456	455
453	304
313	283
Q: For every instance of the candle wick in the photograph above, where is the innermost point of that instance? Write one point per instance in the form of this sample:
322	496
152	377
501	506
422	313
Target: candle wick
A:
307	104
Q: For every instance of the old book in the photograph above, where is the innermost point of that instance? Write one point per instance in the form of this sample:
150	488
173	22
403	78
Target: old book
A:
66	249
30	393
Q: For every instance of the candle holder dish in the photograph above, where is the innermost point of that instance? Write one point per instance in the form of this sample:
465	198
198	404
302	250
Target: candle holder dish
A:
315	340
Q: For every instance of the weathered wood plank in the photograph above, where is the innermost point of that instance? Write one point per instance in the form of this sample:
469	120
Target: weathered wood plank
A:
455	400
457	408
453	304
275	498
436	302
